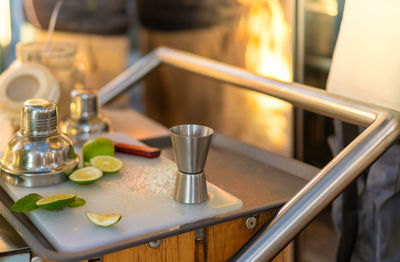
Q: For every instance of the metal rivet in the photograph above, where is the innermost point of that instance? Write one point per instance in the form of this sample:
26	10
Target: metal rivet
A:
37	259
155	244
251	222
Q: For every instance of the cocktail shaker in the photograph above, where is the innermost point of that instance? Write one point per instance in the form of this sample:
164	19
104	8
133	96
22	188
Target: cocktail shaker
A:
39	154
85	119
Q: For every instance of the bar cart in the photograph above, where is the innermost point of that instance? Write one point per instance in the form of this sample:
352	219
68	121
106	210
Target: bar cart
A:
264	182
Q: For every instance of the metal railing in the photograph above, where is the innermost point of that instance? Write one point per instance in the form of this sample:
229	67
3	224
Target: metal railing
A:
382	130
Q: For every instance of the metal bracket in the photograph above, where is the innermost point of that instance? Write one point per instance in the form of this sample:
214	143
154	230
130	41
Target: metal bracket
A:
383	129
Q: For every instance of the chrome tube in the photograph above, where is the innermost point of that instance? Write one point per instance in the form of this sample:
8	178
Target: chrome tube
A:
383	128
128	77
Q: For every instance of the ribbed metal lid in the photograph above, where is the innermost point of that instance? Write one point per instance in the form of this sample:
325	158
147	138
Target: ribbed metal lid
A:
84	104
39	117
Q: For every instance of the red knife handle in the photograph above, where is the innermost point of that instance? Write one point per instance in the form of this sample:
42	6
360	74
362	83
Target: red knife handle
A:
145	151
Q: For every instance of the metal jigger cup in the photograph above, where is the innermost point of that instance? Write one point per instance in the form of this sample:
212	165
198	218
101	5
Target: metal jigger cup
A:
191	144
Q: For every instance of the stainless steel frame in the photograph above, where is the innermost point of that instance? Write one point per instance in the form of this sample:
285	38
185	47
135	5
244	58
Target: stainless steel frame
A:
383	129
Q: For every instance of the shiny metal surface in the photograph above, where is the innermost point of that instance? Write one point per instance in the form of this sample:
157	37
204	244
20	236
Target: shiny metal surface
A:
383	128
84	104
191	144
38	155
190	188
128	77
39	118
155	244
10	241
251	222
85	118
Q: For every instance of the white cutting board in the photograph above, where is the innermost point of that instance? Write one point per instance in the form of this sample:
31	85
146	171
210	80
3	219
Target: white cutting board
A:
141	192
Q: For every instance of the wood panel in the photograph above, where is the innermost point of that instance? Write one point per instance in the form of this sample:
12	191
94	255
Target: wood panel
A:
174	249
200	250
224	239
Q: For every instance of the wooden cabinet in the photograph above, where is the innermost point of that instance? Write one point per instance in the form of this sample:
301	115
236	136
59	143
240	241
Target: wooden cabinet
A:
175	248
218	243
224	239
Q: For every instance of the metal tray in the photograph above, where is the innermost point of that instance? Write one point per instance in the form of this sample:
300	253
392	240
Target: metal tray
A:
262	180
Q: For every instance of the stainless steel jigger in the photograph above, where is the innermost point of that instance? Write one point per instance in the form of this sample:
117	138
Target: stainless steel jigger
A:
39	154
85	119
190	144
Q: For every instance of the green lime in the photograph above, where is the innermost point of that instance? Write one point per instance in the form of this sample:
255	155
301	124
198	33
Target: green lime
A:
97	146
86	175
103	220
78	202
107	164
26	203
56	202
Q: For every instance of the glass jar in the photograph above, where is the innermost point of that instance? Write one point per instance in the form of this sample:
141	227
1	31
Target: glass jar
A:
59	58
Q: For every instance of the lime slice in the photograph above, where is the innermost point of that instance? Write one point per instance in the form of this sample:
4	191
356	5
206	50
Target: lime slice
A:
107	164
86	175
103	220
97	146
26	203
56	202
78	202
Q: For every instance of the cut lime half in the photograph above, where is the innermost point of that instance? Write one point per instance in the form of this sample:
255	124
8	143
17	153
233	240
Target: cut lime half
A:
103	220
107	164
55	202
86	175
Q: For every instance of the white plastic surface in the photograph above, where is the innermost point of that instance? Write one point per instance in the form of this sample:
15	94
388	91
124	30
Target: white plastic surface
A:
141	192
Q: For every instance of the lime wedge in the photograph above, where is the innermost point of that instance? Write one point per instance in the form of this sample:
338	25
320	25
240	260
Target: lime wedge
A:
55	202
78	202
86	175
97	146
26	203
107	164
103	220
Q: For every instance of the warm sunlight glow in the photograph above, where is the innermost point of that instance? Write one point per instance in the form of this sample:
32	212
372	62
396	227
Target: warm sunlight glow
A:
268	52
5	23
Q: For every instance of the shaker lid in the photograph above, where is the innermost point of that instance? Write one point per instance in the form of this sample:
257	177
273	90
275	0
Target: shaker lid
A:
84	104
39	117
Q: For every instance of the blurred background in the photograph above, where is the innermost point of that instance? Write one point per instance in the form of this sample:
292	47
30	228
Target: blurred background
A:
286	40
283	39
